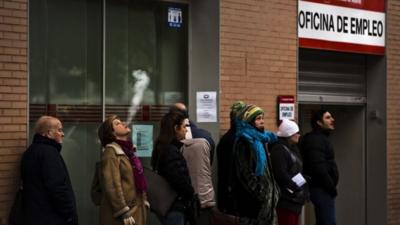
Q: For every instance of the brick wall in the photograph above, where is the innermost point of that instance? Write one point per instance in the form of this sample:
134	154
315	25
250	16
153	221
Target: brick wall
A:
13	97
393	116
258	54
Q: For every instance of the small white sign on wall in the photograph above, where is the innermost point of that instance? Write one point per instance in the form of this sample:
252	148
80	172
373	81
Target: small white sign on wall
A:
286	111
206	106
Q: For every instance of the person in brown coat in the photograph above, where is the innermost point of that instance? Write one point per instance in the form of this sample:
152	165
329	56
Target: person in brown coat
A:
122	181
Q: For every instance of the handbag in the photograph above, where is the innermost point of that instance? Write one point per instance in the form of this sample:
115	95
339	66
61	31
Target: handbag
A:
17	214
221	218
159	193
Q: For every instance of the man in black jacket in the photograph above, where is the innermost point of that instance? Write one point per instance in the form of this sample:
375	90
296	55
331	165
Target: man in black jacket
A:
225	196
48	195
320	166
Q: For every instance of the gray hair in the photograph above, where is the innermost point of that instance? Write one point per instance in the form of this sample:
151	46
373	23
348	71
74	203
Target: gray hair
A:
44	124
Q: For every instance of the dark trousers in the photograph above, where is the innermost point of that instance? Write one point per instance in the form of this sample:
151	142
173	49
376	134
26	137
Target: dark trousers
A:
204	217
173	218
324	206
287	217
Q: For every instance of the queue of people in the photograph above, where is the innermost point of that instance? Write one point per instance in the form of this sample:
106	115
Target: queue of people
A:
263	178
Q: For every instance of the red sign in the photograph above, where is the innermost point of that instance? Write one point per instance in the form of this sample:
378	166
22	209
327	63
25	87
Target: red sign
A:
372	5
285	99
285	107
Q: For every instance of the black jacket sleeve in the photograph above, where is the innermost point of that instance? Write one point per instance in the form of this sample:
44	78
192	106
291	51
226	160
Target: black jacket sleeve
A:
281	164
172	166
318	166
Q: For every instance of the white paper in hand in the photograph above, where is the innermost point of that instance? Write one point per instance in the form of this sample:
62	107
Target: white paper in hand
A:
299	180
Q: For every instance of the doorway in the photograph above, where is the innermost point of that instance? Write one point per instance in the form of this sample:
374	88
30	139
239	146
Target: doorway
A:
348	141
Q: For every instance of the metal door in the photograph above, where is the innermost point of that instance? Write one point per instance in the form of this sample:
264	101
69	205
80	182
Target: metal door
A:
348	140
331	77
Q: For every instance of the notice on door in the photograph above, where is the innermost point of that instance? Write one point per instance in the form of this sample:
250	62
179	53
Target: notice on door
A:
142	136
206	106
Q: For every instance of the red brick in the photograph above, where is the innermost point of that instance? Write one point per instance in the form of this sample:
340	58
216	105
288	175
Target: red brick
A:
19	13
258	53
19	44
5	43
10	97
23	67
393	118
19	28
20	59
5	58
19	74
11	35
10	82
19	105
5	12
6	27
11	66
11	51
11	20
11	5
5	89
3	105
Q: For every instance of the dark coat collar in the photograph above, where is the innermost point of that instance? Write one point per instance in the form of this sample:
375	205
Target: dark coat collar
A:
40	139
177	143
325	132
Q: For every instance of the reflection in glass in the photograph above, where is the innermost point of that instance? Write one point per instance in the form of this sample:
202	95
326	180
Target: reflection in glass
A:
146	67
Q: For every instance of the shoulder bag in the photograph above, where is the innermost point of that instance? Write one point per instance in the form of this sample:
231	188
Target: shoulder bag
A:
159	193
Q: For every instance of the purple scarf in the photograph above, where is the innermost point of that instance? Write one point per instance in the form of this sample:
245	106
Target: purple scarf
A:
140	180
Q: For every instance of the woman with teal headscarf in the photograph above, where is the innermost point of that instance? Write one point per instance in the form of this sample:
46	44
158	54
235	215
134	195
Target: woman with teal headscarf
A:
254	185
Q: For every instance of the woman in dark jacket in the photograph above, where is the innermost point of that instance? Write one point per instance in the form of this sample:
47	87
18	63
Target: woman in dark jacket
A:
287	167
255	190
170	164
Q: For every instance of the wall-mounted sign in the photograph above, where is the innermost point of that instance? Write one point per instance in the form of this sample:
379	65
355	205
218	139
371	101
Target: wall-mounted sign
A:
342	25
286	107
175	17
206	106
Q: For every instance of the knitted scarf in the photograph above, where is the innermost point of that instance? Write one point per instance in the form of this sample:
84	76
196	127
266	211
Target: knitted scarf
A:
257	139
140	180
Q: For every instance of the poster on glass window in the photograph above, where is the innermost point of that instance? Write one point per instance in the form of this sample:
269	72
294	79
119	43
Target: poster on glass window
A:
142	137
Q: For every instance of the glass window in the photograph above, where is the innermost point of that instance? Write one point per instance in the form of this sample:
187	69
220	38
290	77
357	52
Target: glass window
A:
146	70
146	64
65	80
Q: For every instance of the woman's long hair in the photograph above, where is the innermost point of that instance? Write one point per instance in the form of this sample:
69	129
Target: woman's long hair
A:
167	133
106	131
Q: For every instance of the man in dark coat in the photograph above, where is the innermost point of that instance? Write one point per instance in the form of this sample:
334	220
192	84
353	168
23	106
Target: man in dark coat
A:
320	166
225	199
48	197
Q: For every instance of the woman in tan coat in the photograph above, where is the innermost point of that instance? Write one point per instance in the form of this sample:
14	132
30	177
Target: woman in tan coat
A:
121	176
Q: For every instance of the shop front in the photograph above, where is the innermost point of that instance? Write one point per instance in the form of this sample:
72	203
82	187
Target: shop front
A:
342	69
90	59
